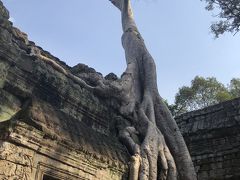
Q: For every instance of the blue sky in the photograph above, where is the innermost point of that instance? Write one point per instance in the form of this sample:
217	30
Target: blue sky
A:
176	32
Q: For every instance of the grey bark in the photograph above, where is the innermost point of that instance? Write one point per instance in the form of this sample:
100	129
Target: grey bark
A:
162	153
157	148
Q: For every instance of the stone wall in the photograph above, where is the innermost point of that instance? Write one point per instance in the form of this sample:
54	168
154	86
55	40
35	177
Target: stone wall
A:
50	125
213	138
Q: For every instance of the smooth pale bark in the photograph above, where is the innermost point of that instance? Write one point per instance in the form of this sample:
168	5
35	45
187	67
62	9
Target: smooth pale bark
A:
159	159
157	147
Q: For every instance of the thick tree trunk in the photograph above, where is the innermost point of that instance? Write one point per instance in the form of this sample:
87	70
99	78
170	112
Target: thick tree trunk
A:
161	152
157	147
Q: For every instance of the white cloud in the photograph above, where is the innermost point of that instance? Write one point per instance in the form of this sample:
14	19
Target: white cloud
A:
12	19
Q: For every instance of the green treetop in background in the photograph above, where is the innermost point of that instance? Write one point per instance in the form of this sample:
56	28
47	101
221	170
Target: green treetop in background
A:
203	92
234	87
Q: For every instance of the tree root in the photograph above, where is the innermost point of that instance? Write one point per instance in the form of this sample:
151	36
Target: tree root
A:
151	156
152	120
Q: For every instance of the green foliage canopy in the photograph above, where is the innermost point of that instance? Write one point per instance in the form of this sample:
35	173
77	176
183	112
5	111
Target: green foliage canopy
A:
234	87
203	92
229	15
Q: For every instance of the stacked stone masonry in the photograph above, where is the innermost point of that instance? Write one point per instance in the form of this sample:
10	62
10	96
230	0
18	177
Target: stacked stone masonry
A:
50	126
213	138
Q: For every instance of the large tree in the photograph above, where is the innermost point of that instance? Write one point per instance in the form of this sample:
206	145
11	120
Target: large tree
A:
151	135
153	139
203	92
229	15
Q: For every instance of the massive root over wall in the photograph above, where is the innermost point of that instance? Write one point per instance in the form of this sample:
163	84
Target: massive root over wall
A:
153	139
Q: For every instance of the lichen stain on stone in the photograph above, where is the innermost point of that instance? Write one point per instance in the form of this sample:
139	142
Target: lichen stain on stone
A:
3	72
9	105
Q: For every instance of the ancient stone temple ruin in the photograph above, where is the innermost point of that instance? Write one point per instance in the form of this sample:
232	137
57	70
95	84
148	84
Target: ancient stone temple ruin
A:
213	138
53	128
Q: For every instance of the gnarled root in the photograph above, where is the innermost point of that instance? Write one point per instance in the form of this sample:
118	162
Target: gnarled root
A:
134	166
151	158
157	161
